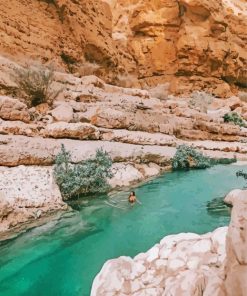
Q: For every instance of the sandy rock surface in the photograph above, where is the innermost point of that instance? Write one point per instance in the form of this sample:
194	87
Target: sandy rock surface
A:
15	150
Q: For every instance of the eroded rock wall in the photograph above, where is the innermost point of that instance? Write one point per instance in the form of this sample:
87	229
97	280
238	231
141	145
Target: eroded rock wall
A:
199	44
61	30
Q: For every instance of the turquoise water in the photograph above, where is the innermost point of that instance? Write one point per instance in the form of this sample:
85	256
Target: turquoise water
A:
62	257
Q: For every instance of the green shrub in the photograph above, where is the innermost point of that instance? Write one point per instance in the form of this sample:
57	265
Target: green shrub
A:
223	161
89	176
188	157
34	82
235	118
241	174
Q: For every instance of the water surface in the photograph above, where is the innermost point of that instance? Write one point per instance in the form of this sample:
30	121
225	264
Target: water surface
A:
61	258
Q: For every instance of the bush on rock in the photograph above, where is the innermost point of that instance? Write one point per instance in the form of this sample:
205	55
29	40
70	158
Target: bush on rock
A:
88	176
235	118
188	157
35	83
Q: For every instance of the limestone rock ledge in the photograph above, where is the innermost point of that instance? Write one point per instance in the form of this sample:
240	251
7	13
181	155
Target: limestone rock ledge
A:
27	193
185	264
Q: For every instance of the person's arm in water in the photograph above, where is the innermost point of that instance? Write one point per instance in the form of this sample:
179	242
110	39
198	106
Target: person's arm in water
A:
138	201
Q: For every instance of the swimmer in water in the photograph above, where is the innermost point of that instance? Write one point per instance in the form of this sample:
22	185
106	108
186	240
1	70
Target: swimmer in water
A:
132	198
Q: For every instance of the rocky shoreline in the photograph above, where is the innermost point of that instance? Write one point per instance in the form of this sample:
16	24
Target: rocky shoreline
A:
185	264
137	79
139	132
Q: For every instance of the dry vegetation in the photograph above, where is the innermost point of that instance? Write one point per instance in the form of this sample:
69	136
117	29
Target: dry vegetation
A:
87	69
34	84
125	80
160	91
200	101
243	96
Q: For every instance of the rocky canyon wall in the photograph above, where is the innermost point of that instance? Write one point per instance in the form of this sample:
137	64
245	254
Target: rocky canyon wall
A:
191	44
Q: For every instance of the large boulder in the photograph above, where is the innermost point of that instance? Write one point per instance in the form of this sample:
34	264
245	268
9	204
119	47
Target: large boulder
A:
27	193
236	262
186	264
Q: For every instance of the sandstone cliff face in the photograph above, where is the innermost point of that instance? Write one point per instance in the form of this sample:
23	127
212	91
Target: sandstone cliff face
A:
199	44
61	30
192	44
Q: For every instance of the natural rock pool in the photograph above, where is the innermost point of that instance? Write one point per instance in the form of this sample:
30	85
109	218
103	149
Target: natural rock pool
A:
62	257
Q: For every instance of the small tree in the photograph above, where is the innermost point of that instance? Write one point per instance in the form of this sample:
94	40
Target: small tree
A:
34	82
188	157
89	176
